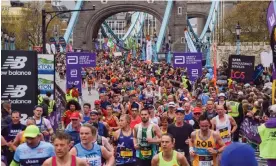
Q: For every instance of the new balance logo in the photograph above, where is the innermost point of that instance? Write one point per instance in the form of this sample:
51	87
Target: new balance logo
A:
15	92
15	63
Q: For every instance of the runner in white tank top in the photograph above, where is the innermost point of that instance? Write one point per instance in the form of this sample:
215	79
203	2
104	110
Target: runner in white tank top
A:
224	124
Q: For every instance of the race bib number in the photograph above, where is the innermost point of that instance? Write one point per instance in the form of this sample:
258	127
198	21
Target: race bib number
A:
146	152
206	161
224	133
126	153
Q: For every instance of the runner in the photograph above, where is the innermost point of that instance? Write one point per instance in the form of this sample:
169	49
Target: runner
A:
83	76
181	131
34	151
73	128
42	123
169	157
118	108
224	124
86	112
111	120
102	128
123	140
62	146
91	153
203	144
146	136
91	82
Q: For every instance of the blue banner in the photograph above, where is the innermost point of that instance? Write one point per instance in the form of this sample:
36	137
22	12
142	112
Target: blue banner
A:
74	62
191	61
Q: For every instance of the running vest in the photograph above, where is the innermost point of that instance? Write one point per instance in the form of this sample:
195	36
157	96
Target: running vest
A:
224	128
51	107
146	150
13	132
268	144
42	127
75	136
101	128
92	156
125	152
116	110
26	156
73	159
203	157
235	109
173	162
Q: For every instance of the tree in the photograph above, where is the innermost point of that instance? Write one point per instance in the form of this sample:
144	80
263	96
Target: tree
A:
252	19
27	26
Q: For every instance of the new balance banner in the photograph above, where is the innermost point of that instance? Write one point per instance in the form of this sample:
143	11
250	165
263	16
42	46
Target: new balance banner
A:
74	62
19	80
191	61
46	74
241	68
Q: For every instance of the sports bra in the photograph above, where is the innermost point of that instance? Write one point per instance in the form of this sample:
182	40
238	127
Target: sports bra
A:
74	161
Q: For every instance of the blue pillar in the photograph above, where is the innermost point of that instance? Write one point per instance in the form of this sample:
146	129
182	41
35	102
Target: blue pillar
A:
154	52
143	52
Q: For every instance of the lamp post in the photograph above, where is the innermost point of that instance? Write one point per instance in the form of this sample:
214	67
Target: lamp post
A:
208	56
238	32
57	13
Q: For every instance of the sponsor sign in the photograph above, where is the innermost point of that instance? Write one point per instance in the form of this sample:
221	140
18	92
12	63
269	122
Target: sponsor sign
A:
249	129
74	62
241	67
270	16
19	79
46	74
191	61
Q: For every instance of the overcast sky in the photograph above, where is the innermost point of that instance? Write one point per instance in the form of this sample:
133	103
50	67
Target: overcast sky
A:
68	4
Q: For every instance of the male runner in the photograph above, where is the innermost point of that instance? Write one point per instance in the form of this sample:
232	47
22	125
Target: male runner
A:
224	124
92	153
62	145
169	157
146	136
203	144
123	139
181	131
34	152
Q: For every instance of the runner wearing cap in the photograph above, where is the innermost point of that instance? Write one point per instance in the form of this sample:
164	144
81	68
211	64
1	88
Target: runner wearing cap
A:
170	113
102	128
222	101
181	131
168	156
34	151
73	128
62	144
196	114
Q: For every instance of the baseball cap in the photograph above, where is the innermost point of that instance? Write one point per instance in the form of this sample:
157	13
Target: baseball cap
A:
97	102
75	115
222	95
94	112
179	109
197	110
236	153
171	104
31	131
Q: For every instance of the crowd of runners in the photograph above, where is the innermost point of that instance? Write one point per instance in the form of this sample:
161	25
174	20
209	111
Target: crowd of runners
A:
146	114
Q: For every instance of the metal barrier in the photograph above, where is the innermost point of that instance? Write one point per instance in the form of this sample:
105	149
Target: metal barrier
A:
55	117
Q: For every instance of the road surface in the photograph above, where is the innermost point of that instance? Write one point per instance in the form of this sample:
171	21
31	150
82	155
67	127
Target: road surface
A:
86	98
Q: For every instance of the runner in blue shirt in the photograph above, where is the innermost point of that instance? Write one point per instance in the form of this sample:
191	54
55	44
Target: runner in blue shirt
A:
34	152
91	152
